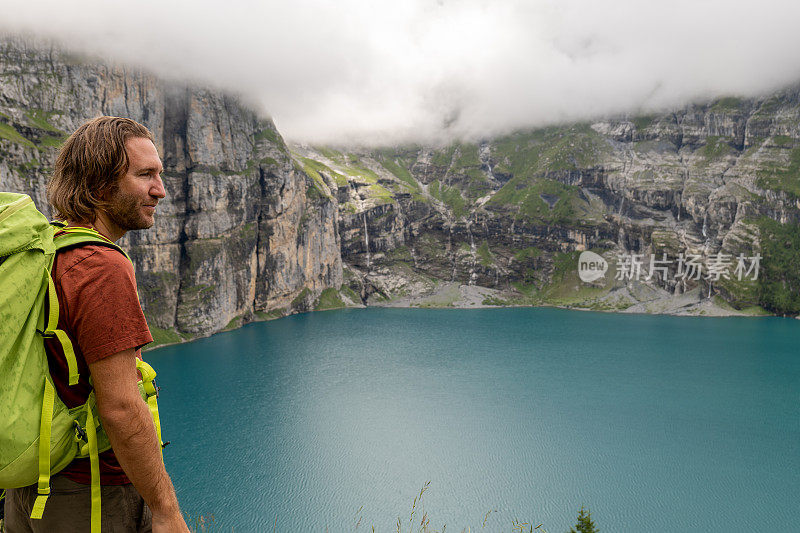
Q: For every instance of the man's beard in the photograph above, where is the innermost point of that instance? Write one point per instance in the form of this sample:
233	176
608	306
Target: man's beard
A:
126	212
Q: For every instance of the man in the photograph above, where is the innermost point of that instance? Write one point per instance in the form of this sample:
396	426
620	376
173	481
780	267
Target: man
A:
107	177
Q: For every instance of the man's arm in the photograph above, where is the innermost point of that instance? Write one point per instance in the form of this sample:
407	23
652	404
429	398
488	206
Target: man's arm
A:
130	429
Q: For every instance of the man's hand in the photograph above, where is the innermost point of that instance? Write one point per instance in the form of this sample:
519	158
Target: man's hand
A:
129	426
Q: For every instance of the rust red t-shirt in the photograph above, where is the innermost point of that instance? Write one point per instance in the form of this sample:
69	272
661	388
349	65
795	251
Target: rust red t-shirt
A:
100	311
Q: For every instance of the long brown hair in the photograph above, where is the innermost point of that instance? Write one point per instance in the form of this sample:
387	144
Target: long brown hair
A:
89	165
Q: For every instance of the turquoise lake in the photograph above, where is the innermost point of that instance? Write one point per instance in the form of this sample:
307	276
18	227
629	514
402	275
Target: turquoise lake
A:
655	423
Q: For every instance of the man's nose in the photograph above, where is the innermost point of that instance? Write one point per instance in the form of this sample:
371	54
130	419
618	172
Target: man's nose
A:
157	189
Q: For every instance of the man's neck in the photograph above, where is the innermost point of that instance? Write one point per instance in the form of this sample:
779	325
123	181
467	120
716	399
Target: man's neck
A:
103	225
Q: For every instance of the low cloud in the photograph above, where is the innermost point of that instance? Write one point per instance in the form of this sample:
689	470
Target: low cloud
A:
363	72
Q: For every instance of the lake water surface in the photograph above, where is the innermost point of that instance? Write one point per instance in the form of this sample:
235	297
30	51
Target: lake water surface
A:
655	423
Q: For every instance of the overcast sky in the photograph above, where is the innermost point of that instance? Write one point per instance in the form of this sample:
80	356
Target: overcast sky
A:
372	72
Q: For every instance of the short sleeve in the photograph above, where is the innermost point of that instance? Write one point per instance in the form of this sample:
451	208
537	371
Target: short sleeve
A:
103	310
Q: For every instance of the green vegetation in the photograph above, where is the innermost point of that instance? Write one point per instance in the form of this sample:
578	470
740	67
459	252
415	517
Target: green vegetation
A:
7	131
564	288
350	293
362	172
550	150
715	148
785	179
401	173
202	250
312	169
527	254
771	105
585	523
529	195
779	277
739	294
313	193
52	141
275	313
333	155
494	300
381	192
485	257
164	336
315	169
466	157
399	254
270	135
246	232
443	158
642	122
300	298
665	240
329	299
28	166
201	292
728	104
40	119
450	196
234	323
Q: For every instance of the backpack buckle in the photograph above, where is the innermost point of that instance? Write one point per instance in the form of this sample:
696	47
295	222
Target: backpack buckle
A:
80	433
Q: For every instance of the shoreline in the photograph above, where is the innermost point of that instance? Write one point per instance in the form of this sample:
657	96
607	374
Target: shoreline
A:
459	296
452	295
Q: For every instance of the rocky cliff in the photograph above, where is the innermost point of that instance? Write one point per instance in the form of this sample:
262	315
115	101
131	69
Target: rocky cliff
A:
711	182
254	229
237	236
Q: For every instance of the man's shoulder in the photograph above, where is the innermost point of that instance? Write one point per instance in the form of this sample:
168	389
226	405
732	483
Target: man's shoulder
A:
87	258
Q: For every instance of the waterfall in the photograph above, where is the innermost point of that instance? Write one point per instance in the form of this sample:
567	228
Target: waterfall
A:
484	155
472	274
453	253
705	225
366	239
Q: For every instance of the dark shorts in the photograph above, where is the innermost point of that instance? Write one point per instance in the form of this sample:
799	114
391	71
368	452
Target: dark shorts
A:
68	509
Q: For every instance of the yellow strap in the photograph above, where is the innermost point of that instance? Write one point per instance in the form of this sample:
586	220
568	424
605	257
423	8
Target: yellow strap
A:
69	354
84	231
94	466
52	302
148	375
43	489
50	330
153	405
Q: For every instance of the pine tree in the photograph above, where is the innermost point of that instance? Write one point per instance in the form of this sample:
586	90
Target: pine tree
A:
585	523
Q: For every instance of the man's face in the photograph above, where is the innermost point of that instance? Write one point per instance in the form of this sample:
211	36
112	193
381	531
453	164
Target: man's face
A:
133	204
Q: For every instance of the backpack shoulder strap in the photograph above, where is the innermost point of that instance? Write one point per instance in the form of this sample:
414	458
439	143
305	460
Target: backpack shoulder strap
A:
69	236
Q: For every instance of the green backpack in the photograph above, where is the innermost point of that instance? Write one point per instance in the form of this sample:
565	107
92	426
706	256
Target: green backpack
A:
39	435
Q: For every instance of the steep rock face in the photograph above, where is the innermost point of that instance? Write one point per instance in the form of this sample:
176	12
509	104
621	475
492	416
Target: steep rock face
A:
237	234
510	213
